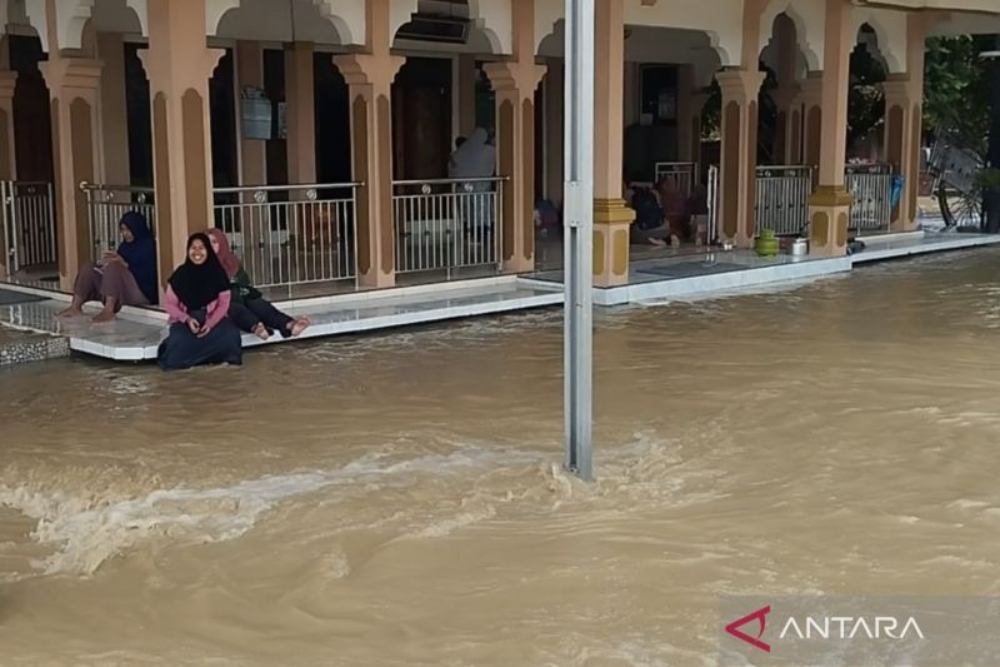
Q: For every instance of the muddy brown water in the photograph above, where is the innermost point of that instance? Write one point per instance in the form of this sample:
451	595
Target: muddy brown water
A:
398	499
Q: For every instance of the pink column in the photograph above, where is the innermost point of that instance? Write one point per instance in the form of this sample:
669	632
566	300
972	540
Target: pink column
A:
300	95
250	73
369	76
612	218
73	89
114	112
810	102
179	65
737	176
830	204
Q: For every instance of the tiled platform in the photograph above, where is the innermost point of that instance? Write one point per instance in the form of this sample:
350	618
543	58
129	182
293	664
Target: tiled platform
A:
135	335
894	246
695	274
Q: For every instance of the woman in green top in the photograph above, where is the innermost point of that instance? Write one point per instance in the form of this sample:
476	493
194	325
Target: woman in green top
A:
249	309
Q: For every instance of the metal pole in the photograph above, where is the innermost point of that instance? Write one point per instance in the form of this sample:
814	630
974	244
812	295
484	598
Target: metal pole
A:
579	225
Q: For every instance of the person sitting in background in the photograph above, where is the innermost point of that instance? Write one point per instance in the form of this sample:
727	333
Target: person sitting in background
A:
650	225
126	277
248	309
674	209
197	301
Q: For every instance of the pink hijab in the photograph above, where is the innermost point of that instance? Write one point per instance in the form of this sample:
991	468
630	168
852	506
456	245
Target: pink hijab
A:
230	262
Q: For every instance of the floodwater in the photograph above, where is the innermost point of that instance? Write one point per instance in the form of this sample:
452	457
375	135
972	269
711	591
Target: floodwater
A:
398	499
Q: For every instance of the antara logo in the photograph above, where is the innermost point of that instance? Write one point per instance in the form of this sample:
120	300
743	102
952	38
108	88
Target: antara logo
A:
761	617
825	627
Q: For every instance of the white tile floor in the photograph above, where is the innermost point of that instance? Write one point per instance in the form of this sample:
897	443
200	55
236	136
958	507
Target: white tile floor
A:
129	338
929	242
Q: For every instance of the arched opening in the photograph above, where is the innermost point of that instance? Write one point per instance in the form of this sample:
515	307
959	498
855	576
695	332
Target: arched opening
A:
32	117
866	102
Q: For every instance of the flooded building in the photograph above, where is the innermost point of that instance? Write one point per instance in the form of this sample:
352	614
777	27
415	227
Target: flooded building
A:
320	134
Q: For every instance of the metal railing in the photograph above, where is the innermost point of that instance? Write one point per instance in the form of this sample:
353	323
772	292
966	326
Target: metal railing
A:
871	187
783	199
446	224
29	224
106	204
291	234
712	189
683	174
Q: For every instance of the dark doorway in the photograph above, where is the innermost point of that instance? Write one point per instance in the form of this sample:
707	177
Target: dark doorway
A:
421	100
333	122
222	101
276	150
140	122
32	117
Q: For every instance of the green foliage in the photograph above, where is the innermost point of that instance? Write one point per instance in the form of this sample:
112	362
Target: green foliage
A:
957	89
866	103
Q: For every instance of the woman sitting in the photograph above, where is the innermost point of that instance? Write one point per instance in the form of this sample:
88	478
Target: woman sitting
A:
126	277
248	309
197	300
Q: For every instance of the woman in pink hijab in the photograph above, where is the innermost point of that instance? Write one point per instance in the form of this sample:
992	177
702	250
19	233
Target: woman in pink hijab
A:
248	308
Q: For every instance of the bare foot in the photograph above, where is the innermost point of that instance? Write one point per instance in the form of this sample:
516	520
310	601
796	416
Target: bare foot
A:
72	311
104	316
675	241
300	325
659	243
260	331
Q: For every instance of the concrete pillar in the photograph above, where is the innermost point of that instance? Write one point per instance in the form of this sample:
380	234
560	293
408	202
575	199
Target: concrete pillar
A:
810	100
898	141
786	48
250	74
179	65
114	111
8	166
917	25
301	100
738	163
73	84
514	82
465	84
612	218
369	76
555	92
830	204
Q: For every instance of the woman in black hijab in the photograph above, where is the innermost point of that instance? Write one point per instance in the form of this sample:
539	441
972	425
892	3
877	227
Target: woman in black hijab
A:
197	300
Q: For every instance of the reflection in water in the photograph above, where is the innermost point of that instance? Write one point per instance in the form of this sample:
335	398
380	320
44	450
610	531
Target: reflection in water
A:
398	500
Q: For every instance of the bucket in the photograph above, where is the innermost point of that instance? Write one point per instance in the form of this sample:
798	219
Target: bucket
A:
800	247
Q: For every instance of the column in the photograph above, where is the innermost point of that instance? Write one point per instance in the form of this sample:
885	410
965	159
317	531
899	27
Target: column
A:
514	83
179	66
465	84
8	167
810	102
300	97
114	111
73	84
250	74
612	218
898	136
830	204
738	163
786	48
369	76
909	100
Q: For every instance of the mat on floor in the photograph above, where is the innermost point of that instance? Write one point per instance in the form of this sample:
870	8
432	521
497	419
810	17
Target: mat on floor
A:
9	298
691	269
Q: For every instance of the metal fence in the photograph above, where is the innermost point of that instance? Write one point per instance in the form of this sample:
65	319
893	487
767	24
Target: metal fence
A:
291	234
712	189
446	224
106	204
871	187
683	174
783	199
29	227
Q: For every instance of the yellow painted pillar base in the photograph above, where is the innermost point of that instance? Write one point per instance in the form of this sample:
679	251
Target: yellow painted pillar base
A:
612	220
829	213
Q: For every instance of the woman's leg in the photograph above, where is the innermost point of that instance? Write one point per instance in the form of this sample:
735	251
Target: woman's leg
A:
272	318
182	349
118	288
86	287
244	318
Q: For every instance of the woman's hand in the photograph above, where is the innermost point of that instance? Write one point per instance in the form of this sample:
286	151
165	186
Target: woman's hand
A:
205	330
194	326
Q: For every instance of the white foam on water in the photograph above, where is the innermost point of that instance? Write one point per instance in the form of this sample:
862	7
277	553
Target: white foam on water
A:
84	532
